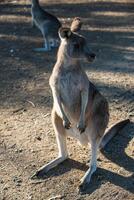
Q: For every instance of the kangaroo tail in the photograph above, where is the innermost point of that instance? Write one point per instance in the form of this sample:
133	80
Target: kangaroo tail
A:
112	132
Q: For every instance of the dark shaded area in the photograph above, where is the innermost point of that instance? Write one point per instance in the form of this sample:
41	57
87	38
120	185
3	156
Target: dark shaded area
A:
18	40
91	6
118	155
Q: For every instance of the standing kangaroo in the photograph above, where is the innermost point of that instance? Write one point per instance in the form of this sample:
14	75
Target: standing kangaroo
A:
48	25
79	110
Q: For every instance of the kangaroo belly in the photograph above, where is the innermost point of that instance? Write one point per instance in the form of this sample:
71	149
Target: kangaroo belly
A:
71	101
69	91
70	98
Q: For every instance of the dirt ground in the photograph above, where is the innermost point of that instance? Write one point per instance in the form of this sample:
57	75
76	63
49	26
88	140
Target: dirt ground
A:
27	139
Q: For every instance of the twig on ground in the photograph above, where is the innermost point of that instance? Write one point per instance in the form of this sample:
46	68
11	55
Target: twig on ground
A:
46	115
38	182
19	109
56	197
31	103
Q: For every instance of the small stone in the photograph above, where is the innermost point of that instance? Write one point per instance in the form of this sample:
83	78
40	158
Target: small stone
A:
38	138
11	50
18	184
33	151
33	165
29	197
18	150
5	188
98	159
131	115
1	181
52	149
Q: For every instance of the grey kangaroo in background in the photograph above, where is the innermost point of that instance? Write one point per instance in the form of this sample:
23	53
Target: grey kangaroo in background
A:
48	24
79	109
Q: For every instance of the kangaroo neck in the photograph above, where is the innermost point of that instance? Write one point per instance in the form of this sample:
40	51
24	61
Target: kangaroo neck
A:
64	60
35	2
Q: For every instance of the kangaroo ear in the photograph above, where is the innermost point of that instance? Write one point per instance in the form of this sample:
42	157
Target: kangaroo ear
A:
76	24
64	33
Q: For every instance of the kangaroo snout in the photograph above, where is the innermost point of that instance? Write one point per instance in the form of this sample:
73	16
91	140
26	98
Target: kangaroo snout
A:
91	57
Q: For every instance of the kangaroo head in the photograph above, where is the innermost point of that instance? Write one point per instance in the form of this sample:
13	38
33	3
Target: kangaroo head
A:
75	45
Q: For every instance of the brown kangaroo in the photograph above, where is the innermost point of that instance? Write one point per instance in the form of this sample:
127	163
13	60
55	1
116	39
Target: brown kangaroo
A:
79	110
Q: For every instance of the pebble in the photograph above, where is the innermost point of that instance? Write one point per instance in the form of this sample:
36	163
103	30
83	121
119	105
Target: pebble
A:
18	150
5	188
38	138
11	50
1	181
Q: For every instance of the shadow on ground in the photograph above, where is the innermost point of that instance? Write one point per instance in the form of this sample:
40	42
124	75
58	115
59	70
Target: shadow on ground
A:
109	35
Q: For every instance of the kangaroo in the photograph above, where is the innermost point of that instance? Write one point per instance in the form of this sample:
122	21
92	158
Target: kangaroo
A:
79	109
47	23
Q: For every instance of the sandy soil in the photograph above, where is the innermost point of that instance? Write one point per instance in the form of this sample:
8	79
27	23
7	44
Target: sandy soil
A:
27	140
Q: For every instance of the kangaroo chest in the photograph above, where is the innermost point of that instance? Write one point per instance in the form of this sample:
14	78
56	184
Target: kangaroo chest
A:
69	85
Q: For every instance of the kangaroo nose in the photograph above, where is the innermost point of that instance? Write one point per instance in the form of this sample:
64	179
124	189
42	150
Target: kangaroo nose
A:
93	56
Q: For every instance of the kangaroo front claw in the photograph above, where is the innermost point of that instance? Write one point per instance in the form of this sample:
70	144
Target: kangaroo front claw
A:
66	124
81	127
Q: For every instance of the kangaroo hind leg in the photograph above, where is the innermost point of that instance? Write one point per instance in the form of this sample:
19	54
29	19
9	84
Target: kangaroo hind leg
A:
62	147
93	164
